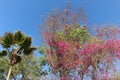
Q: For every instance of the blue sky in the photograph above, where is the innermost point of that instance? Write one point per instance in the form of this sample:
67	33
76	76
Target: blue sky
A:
26	15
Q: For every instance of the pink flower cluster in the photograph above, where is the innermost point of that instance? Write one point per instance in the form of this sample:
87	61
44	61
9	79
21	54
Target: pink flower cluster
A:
109	46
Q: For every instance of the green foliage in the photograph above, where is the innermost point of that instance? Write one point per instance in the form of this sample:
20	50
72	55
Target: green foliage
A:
27	42
42	49
73	34
29	67
23	42
3	53
4	66
7	40
42	60
19	37
29	50
15	45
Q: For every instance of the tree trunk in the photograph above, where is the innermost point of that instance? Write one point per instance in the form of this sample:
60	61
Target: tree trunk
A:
9	73
13	76
82	76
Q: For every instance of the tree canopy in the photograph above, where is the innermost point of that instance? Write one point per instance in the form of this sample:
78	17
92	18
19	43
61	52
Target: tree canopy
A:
72	52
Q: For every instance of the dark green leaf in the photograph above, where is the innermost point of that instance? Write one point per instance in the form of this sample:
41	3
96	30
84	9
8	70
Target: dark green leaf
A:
8	40
3	53
19	59
29	50
27	42
19	37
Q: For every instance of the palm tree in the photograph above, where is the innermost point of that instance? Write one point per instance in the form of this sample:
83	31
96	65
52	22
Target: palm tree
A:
29	68
14	45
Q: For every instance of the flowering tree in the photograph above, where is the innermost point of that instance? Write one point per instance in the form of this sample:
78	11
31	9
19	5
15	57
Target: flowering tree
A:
71	49
62	55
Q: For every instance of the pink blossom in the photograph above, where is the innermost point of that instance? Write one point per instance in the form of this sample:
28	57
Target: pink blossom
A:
106	76
118	55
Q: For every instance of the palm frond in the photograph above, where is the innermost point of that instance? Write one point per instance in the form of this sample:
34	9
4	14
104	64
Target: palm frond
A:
29	50
27	42
7	40
19	37
3	53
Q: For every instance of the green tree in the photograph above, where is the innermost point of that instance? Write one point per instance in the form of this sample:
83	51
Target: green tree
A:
28	68
15	44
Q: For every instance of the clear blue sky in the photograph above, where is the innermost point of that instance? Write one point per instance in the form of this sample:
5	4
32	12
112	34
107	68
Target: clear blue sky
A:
25	15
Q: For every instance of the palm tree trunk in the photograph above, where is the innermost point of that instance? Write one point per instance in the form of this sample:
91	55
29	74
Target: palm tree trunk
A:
12	61
9	73
13	76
